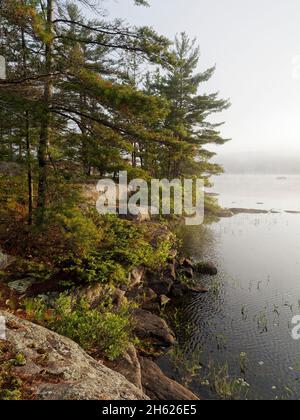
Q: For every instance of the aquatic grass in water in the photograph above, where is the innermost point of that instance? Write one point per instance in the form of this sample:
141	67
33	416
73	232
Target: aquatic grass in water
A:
226	387
188	366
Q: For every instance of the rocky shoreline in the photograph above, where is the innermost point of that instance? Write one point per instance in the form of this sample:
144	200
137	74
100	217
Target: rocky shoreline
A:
152	291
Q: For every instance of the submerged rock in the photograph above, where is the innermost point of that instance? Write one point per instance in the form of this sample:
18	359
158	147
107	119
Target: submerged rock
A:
152	327
207	268
159	387
182	289
56	368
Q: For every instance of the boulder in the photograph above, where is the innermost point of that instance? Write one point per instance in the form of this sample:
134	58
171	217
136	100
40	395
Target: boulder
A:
187	272
129	366
157	386
142	294
95	293
56	368
171	270
151	327
208	268
118	298
153	307
161	284
182	289
198	288
179	290
92	294
186	263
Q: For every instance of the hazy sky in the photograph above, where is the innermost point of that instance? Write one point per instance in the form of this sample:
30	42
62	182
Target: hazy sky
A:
256	47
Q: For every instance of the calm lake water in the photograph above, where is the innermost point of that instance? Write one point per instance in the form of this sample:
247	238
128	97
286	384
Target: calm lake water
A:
252	301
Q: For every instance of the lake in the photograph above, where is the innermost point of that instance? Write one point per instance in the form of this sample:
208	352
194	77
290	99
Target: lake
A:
240	332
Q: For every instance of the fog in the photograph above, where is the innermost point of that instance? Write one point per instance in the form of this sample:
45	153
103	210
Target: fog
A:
255	45
283	163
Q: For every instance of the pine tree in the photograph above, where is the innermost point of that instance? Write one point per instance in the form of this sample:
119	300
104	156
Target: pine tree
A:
80	88
187	122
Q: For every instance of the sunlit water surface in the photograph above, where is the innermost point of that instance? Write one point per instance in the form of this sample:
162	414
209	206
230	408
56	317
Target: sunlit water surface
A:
252	301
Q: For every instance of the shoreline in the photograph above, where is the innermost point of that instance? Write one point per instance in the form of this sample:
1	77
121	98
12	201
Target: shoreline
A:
153	290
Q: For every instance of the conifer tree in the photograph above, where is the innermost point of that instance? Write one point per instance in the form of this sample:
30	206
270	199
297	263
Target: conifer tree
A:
187	122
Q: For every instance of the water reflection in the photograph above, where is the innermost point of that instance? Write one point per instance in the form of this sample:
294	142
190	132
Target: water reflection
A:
249	308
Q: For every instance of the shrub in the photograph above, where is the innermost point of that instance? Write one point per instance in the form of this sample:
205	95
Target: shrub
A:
102	329
124	246
79	233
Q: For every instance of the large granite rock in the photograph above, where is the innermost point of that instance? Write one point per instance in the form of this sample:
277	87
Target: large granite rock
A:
58	369
159	387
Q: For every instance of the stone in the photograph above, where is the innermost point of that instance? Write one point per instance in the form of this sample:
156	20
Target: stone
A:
153	307
164	300
171	270
129	366
187	272
92	294
157	386
142	294
152	327
198	288
20	286
183	289
118	298
179	290
161	285
207	268
56	368
136	276
186	263
5	260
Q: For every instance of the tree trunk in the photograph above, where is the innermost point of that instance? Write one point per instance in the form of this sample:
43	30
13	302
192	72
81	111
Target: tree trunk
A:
28	144
45	121
29	172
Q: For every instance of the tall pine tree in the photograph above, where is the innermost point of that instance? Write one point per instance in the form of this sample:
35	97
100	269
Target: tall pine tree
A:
187	123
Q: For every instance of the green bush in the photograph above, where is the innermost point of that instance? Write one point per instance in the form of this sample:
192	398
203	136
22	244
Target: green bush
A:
94	268
101	330
79	233
124	246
